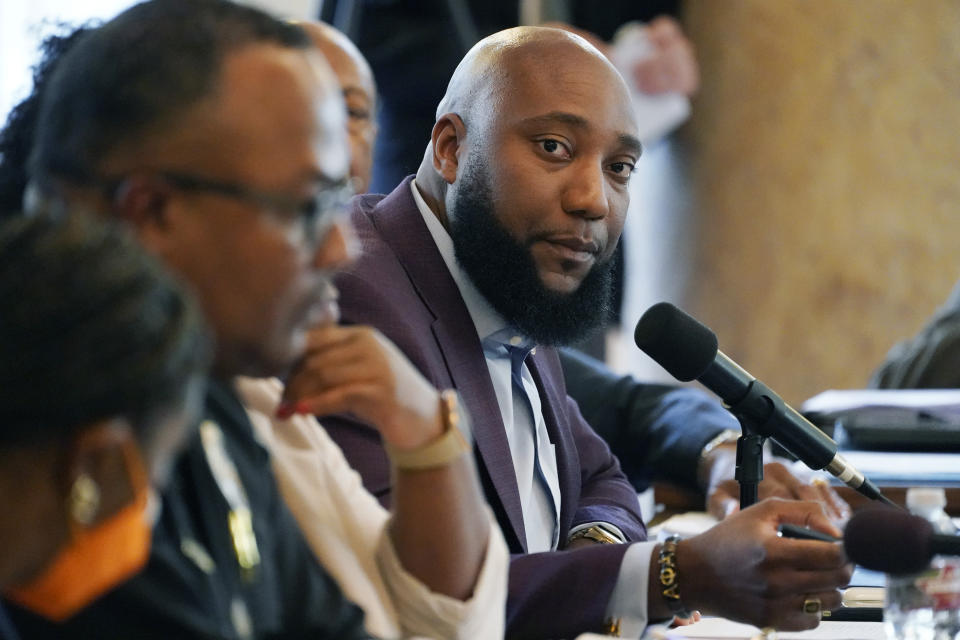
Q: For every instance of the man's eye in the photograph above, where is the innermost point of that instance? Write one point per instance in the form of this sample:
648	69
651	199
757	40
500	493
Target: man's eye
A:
554	148
622	169
358	114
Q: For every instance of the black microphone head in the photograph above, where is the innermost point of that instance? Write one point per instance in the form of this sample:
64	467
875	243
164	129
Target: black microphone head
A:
889	540
677	341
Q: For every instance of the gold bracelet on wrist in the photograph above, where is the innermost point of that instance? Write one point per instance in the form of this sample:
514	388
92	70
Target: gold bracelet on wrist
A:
669	578
441	451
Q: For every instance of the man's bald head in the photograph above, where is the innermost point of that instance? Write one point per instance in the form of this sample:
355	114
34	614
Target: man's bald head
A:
338	49
359	95
503	60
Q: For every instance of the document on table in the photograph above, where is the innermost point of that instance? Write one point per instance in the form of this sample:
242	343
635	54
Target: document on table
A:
723	629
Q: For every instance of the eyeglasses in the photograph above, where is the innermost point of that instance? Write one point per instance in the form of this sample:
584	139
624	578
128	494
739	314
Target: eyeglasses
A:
316	213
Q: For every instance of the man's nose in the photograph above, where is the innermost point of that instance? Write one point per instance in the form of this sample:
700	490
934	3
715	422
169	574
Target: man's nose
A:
586	193
338	247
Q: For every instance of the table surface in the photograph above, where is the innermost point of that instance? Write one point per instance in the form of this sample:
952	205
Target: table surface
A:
722	629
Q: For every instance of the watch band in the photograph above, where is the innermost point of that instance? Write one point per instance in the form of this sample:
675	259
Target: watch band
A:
441	451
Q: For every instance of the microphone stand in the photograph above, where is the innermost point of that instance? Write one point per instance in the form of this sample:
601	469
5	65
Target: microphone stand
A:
749	471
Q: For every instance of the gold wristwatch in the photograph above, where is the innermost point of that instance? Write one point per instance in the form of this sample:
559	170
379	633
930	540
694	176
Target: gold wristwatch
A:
443	450
596	534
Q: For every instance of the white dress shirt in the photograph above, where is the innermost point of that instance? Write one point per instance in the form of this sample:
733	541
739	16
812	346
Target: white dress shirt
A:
347	529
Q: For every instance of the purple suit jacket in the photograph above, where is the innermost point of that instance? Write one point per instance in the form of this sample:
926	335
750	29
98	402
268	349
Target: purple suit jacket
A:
401	285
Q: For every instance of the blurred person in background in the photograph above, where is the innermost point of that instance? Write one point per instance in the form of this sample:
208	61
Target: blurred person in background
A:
102	374
229	560
930	359
413	47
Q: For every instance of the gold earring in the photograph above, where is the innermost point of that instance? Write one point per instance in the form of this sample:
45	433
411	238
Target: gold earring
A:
84	500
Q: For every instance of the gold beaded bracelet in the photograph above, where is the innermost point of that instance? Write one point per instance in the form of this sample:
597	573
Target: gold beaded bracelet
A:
669	579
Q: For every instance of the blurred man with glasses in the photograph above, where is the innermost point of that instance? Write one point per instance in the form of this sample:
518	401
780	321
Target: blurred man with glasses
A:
219	136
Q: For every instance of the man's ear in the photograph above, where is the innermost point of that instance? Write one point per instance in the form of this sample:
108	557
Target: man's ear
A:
97	455
447	141
142	201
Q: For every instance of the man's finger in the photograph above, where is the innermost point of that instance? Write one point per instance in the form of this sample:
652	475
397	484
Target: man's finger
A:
343	399
829	496
805	514
325	337
810	553
722	504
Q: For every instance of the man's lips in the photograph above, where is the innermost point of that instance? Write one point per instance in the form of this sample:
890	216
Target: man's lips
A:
573	248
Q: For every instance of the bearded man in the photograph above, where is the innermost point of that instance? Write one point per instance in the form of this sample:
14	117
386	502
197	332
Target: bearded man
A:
497	251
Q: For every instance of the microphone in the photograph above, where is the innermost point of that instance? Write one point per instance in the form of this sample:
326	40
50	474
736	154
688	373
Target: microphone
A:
893	541
688	350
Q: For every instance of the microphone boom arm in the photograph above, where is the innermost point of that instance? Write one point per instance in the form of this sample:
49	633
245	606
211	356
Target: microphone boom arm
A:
756	408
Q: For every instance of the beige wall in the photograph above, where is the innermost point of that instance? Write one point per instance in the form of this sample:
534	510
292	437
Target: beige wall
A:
824	154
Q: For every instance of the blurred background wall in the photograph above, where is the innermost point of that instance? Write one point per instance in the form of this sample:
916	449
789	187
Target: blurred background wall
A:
822	222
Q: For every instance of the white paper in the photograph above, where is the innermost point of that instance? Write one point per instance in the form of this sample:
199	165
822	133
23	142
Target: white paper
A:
914	469
685	525
723	629
942	403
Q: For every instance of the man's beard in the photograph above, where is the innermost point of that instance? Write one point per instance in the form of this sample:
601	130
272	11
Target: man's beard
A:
504	271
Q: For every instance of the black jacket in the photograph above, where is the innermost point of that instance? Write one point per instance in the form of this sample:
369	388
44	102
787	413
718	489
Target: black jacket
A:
182	595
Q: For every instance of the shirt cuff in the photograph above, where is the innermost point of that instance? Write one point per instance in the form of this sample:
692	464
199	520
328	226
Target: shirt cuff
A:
428	614
629	598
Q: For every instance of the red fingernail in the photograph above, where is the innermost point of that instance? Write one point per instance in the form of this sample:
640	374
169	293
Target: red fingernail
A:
303	407
285	410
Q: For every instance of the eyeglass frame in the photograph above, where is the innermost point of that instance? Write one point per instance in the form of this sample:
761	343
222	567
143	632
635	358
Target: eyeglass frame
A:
313	211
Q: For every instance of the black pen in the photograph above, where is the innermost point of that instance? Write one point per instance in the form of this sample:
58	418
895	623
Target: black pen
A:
796	531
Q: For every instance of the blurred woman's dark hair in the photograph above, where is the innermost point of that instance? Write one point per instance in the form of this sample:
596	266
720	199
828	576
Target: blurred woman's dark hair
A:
91	327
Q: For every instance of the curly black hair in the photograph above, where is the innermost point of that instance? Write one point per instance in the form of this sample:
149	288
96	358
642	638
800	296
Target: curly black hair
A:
16	137
93	328
135	76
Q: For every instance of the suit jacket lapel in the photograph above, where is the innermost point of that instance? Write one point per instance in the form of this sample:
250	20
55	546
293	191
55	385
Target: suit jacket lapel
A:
402	227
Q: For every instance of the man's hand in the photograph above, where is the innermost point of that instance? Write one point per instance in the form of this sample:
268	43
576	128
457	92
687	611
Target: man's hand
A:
741	569
672	67
781	479
356	370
